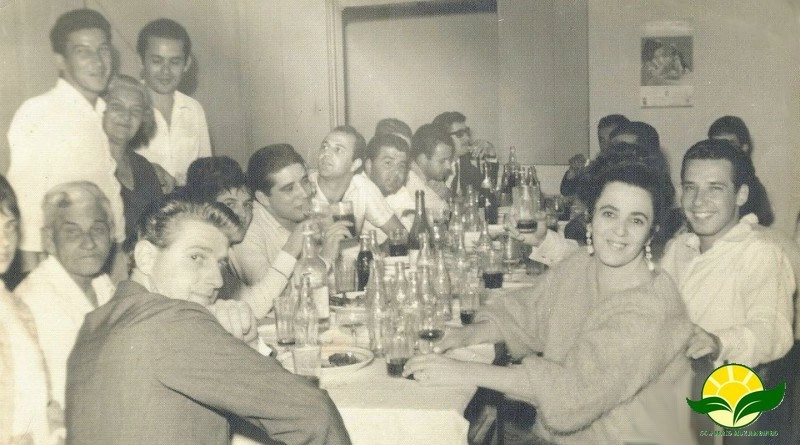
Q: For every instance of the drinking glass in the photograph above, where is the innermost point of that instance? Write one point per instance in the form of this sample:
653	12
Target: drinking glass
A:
399	348
345	275
511	254
398	243
439	236
352	318
284	319
343	211
492	266
469	302
524	208
432	325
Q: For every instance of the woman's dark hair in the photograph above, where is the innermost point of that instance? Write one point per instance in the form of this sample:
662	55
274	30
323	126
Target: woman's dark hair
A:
630	169
8	205
209	177
732	125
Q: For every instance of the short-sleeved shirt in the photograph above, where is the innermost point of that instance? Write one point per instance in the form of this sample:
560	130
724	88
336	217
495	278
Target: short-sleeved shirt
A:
368	201
184	139
262	248
55	138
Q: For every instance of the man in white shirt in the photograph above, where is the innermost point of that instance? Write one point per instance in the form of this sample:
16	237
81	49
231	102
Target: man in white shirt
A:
431	154
181	130
340	156
58	137
269	251
69	283
386	164
737	283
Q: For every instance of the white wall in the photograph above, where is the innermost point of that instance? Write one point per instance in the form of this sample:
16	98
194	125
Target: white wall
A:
746	57
414	68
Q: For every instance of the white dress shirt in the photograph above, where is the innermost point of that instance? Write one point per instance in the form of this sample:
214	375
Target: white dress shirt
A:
184	139
55	138
59	306
402	204
260	255
416	182
368	201
739	290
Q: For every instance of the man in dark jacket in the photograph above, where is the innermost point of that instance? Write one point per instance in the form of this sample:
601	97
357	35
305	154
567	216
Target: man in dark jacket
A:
154	366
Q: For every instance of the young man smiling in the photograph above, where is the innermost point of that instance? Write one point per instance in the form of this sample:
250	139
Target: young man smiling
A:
181	130
58	137
736	281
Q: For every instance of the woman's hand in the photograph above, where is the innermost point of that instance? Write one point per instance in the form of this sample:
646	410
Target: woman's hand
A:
453	338
436	369
703	343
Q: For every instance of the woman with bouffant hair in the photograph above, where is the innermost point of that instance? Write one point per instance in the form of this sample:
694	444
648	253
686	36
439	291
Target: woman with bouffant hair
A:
601	336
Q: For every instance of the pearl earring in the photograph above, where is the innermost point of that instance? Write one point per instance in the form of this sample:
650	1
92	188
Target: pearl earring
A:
648	257
589	246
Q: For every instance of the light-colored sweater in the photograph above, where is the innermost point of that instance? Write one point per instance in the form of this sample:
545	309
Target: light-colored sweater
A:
612	367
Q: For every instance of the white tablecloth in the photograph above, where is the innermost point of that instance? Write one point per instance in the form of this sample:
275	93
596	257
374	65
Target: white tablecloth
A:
378	409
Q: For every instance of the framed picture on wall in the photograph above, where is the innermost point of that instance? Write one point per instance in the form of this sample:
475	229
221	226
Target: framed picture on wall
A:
667	64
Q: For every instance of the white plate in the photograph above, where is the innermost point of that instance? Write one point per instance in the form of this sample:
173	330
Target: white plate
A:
364	356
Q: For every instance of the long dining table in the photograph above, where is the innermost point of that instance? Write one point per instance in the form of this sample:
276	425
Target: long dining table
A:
380	409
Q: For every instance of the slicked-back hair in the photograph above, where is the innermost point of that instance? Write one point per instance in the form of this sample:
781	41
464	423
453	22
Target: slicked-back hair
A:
147	129
427	138
448	118
76	20
266	162
732	125
392	125
207	178
159	226
166	29
386	140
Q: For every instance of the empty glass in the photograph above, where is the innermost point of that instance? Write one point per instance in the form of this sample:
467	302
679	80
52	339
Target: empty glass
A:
284	318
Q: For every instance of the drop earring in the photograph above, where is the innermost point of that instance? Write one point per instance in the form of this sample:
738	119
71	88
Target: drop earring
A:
648	257
589	246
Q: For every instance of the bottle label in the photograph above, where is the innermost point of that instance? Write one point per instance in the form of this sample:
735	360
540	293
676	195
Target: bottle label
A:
321	301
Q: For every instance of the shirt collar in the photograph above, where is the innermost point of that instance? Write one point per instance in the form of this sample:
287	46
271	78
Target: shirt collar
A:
56	273
736	234
69	92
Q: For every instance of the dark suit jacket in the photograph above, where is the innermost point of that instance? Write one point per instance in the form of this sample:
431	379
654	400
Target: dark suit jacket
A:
147	369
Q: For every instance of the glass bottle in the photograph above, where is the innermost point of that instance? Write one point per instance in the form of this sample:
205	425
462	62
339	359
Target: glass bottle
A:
306	327
512	168
400	291
312	264
378	314
418	228
432	317
363	262
374	247
442	287
488	198
425	256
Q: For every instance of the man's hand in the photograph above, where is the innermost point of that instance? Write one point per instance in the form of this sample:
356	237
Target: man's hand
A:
481	148
165	179
294	245
330	240
237	318
703	343
532	239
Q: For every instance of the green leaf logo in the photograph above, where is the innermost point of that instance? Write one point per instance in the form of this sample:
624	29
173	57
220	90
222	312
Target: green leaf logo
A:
759	401
709	404
733	396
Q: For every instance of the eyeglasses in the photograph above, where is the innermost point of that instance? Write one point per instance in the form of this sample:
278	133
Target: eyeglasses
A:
460	133
73	233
